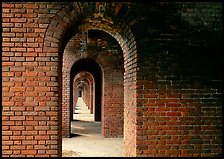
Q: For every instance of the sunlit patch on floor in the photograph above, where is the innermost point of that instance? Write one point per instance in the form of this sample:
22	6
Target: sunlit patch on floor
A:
66	153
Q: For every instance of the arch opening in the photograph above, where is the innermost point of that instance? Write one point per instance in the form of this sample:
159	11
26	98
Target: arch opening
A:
84	89
88	65
119	31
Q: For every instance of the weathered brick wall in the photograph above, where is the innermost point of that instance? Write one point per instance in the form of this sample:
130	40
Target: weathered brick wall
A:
86	92
172	74
30	114
179	90
76	88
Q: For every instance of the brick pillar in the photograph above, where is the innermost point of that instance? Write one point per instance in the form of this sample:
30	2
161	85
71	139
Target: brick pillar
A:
66	104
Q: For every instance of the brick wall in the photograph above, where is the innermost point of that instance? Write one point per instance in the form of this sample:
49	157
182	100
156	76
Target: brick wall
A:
30	114
86	92
172	75
179	90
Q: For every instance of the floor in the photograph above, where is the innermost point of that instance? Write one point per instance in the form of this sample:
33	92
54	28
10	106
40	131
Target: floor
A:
86	139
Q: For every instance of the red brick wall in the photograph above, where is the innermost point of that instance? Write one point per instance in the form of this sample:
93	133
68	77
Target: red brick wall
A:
76	90
179	90
86	92
30	114
90	99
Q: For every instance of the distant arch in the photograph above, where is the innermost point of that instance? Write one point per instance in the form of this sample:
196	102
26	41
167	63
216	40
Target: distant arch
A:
91	66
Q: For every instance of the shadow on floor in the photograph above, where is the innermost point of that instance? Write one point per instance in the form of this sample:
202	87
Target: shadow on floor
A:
74	135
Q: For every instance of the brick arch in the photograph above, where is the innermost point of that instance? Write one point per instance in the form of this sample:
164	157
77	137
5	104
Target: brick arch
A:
65	24
85	87
80	82
68	21
90	97
89	78
91	66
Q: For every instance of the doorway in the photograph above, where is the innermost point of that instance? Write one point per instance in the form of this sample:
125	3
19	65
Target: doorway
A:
93	68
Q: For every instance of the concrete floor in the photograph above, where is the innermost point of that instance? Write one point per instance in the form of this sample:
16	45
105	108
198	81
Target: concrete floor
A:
86	139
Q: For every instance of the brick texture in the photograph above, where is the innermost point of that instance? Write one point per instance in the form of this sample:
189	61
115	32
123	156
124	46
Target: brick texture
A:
179	89
161	84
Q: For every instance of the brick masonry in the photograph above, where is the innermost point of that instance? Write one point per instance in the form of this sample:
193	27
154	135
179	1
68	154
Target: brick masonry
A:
172	75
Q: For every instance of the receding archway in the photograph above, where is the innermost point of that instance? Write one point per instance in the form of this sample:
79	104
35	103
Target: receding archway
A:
81	80
93	68
66	23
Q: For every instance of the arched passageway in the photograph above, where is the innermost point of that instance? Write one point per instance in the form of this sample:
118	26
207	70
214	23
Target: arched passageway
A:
84	86
93	68
105	88
119	65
